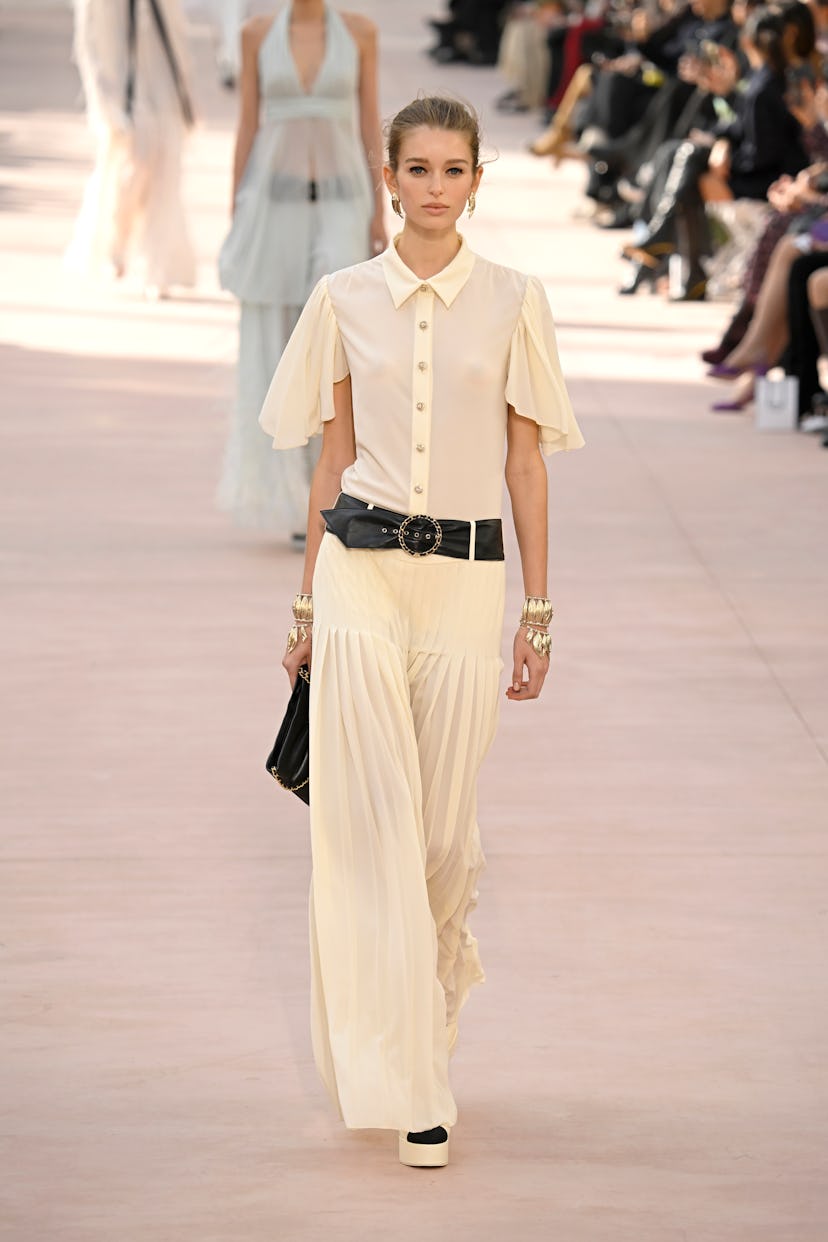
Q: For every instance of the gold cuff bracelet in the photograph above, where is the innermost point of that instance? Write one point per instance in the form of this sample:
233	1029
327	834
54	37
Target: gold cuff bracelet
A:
536	611
303	608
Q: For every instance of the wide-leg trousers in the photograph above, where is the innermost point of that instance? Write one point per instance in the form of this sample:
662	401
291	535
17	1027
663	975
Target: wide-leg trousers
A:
404	704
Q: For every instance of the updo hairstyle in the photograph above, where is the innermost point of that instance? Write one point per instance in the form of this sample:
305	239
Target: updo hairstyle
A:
435	112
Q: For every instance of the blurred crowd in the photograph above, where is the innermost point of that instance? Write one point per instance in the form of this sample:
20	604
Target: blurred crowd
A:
701	127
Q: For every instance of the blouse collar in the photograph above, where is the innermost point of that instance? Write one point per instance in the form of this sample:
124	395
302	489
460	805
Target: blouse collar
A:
447	283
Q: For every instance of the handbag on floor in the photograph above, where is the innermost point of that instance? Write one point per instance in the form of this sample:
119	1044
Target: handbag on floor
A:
287	762
777	402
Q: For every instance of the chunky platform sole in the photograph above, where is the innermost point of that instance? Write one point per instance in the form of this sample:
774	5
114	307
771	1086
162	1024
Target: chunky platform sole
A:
423	1155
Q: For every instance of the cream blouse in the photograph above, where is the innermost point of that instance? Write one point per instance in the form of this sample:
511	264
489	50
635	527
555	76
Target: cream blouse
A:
433	364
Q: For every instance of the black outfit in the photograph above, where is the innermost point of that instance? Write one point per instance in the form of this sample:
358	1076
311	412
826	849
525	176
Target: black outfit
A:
766	141
803	352
766	137
637	118
471	33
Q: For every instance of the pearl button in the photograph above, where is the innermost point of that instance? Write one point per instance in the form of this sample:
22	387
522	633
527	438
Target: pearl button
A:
418	489
423	324
420	448
420	405
423	366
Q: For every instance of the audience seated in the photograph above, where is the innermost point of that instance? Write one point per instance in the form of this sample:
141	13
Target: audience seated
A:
703	127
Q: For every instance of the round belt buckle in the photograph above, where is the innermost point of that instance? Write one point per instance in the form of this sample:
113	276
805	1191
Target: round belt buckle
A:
420	535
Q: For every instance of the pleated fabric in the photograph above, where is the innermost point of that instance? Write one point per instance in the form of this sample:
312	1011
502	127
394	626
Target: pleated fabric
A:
404	704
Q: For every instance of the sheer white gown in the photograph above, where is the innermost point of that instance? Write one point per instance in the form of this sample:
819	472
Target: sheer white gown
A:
280	243
132	208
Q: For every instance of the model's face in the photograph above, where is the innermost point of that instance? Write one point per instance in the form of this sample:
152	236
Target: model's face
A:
434	177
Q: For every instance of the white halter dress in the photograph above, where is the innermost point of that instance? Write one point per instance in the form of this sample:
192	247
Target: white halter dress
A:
303	210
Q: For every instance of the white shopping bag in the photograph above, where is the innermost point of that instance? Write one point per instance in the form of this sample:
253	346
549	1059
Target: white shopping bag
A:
777	402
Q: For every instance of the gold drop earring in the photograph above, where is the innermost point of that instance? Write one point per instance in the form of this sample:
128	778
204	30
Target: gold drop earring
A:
472	203
395	206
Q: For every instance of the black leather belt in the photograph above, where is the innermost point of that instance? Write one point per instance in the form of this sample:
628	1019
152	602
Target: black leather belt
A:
359	525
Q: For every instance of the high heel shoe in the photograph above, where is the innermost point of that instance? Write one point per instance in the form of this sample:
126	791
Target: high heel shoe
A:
721	370
642	274
731	407
724	371
740	402
426	1149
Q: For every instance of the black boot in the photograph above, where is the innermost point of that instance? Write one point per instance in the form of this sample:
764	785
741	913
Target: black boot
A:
693	242
688	162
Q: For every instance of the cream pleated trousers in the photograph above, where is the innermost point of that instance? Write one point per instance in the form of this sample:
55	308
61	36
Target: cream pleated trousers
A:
404	704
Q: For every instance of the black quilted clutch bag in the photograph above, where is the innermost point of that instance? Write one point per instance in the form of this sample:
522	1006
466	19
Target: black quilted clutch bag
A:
288	761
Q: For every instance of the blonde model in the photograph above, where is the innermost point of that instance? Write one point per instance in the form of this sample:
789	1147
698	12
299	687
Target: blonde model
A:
418	367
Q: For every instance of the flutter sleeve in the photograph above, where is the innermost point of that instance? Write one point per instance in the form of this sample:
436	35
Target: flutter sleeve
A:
534	383
300	397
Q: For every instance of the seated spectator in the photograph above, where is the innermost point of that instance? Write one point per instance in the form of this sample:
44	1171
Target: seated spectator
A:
807	323
664	68
682	104
781	323
757	141
523	59
470	33
572	114
818	308
795	203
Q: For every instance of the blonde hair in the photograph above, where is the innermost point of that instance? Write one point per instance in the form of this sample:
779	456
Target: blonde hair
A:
434	112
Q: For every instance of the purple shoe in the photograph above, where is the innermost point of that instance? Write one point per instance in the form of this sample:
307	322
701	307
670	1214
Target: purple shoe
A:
731	407
720	370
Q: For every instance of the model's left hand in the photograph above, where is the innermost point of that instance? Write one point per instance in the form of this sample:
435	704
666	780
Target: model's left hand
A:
378	238
526	660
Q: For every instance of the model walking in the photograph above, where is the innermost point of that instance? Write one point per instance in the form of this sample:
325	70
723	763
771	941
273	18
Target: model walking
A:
304	205
131	60
417	366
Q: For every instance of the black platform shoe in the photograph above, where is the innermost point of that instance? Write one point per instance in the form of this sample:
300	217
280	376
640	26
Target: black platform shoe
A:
425	1149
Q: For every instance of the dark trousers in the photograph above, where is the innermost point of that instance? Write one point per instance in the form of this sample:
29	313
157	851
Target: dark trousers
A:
803	352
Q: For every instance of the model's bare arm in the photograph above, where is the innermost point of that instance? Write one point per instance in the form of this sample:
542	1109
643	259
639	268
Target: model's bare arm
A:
252	34
338	452
527	484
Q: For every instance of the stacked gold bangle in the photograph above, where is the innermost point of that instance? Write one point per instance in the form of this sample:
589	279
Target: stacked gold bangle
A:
535	617
302	621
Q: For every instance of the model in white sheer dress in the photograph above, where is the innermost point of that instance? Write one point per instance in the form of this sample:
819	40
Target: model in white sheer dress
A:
131	58
306	202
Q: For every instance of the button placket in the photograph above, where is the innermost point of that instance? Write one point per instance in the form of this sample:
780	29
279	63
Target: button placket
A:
421	399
